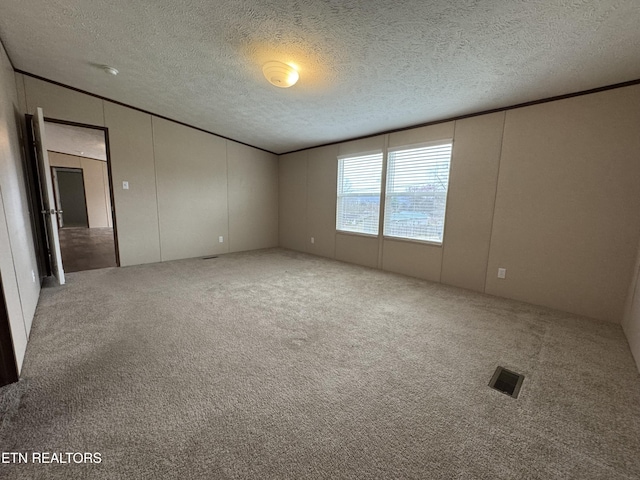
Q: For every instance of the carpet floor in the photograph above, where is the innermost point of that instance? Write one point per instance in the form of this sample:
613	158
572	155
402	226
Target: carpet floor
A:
279	365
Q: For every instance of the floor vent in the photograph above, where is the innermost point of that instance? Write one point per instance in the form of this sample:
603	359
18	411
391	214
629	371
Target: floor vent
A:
507	382
209	258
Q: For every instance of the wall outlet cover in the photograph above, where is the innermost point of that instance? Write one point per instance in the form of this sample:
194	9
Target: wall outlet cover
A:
125	185
502	273
221	239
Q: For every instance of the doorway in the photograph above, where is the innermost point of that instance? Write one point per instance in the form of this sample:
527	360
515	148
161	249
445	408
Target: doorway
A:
78	156
80	180
71	201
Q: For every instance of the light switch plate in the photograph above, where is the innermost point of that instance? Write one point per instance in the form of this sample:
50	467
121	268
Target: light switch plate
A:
502	273
125	185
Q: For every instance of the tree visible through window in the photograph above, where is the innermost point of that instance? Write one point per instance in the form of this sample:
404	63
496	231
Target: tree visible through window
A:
359	183
416	192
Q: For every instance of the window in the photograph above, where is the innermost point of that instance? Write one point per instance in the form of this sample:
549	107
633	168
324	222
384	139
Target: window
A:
416	191
358	205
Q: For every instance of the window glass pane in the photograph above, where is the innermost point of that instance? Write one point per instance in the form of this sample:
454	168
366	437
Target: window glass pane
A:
359	182
416	194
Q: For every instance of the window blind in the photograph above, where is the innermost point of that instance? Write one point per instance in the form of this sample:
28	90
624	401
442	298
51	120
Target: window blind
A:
358	203
416	192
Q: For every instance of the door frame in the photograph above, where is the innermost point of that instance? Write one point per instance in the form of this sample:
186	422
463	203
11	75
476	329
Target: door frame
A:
105	130
56	190
37	204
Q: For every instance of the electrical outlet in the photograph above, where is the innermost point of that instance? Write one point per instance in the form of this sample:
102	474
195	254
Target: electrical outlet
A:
221	239
125	185
33	276
313	240
502	273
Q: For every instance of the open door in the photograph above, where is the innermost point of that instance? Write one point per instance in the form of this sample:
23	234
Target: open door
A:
50	212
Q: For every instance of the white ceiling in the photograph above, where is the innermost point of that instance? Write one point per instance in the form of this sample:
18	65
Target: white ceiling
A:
78	141
365	66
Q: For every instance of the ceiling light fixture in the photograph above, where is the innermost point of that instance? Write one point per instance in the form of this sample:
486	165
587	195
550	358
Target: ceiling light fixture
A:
110	70
280	74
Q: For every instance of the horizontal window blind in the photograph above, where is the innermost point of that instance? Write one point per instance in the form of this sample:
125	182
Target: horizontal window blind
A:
359	183
416	192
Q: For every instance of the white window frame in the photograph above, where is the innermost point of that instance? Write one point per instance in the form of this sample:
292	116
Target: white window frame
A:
341	227
388	197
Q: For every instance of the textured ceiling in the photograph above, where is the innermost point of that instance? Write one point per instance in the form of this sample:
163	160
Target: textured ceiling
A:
365	66
79	141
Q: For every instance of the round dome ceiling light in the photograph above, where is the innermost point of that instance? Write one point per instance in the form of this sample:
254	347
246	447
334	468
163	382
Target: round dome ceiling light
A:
110	70
280	74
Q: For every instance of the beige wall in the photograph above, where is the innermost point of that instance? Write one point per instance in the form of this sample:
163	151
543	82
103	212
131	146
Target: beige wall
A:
292	192
253	200
62	103
566	220
191	177
322	168
474	178
132	160
549	192
18	266
186	187
96	186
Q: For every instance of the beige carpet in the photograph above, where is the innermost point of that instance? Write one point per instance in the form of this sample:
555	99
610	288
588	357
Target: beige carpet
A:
279	365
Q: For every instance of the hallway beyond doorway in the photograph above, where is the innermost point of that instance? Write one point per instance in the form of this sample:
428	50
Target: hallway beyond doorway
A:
87	248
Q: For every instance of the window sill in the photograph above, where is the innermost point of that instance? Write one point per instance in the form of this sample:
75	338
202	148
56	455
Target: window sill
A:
357	234
413	240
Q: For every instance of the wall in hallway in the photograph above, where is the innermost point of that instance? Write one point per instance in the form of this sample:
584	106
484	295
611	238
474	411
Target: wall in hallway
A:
96	186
